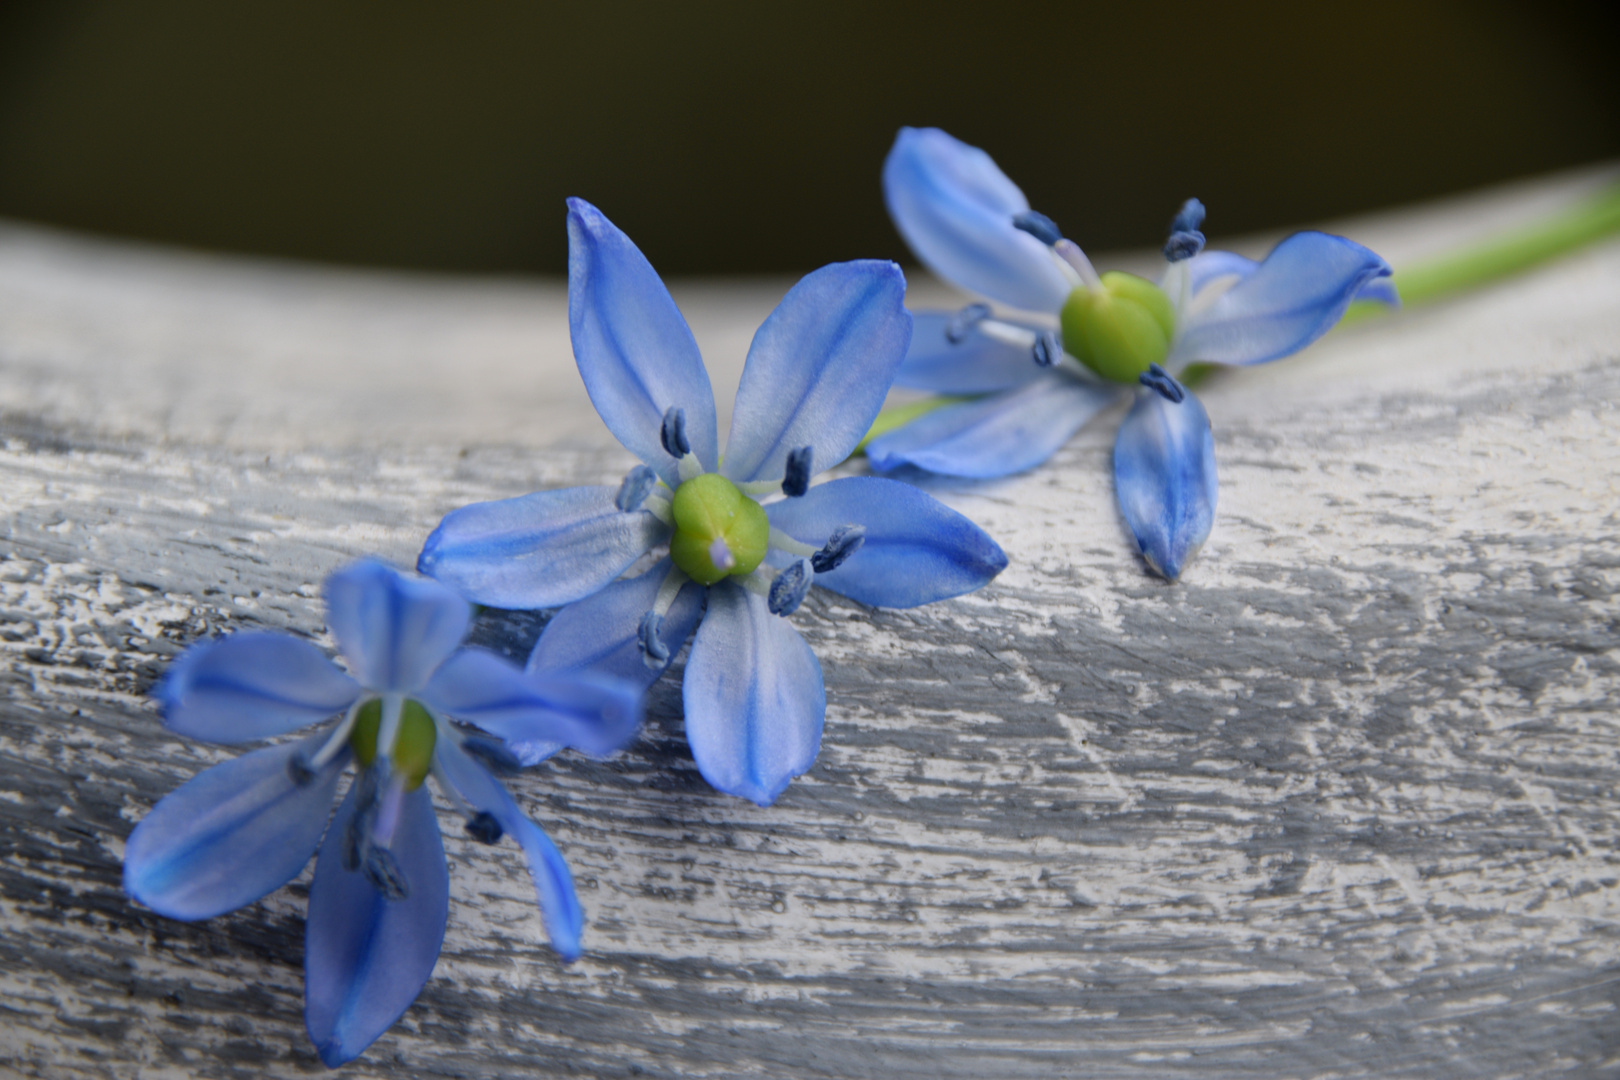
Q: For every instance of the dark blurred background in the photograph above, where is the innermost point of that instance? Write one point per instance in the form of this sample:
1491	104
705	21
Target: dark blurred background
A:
734	138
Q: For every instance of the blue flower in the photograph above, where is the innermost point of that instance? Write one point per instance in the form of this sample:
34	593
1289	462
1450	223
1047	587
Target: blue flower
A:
378	903
1081	337
815	378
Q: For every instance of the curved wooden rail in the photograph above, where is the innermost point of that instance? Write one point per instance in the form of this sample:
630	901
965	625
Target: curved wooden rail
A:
1343	803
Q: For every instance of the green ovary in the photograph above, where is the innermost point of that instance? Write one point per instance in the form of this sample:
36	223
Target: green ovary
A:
413	749
718	530
1120	329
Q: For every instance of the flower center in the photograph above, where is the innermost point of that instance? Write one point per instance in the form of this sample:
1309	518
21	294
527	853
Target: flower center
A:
1121	329
719	531
413	748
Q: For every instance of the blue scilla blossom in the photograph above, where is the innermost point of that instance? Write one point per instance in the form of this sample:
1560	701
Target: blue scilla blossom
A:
722	563
380	897
1079	339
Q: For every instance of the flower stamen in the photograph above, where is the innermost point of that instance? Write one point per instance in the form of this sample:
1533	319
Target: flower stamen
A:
1185	240
389	806
365	809
796	477
673	433
653	651
787	592
1008	333
658	507
383	871
483	828
1039	226
845	541
638	483
962	323
1047	350
303	767
1073	257
1159	380
388	731
781	541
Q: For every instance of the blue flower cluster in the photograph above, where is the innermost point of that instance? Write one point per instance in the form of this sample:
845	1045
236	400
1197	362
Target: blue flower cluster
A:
719	548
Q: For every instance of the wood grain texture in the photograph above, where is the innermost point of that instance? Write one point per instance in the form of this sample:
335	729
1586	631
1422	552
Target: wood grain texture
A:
1341	804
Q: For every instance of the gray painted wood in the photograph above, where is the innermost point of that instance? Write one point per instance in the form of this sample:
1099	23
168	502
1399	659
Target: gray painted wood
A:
1341	804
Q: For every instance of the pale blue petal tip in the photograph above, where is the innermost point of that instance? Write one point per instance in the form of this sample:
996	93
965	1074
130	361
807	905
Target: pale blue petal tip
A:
754	698
912	549
1280	306
365	957
635	352
1165	480
818	369
956	210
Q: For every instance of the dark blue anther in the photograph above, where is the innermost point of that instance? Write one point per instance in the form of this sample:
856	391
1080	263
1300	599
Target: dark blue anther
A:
796	480
493	755
1048	349
845	541
962	323
673	433
483	828
355	837
638	484
300	769
1183	244
1039	226
1157	379
383	871
1190	218
787	591
654	653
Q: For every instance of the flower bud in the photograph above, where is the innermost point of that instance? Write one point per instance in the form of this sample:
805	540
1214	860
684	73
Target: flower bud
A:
718	530
1120	330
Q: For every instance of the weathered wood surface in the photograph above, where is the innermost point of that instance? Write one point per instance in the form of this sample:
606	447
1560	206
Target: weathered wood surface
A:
1341	804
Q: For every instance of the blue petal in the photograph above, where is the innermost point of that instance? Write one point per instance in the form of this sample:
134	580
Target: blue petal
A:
955	210
251	686
594	713
917	549
230	835
753	695
1293	297
998	435
365	957
635	352
1164	478
1380	290
553	884
977	364
540	550
601	632
818	369
1210	266
394	630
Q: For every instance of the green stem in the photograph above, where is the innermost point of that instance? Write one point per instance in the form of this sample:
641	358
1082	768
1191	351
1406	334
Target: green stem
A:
899	415
1421	283
1483	263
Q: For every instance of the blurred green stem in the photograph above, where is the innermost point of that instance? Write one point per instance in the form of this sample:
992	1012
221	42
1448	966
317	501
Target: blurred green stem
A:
1519	250
899	415
1422	283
